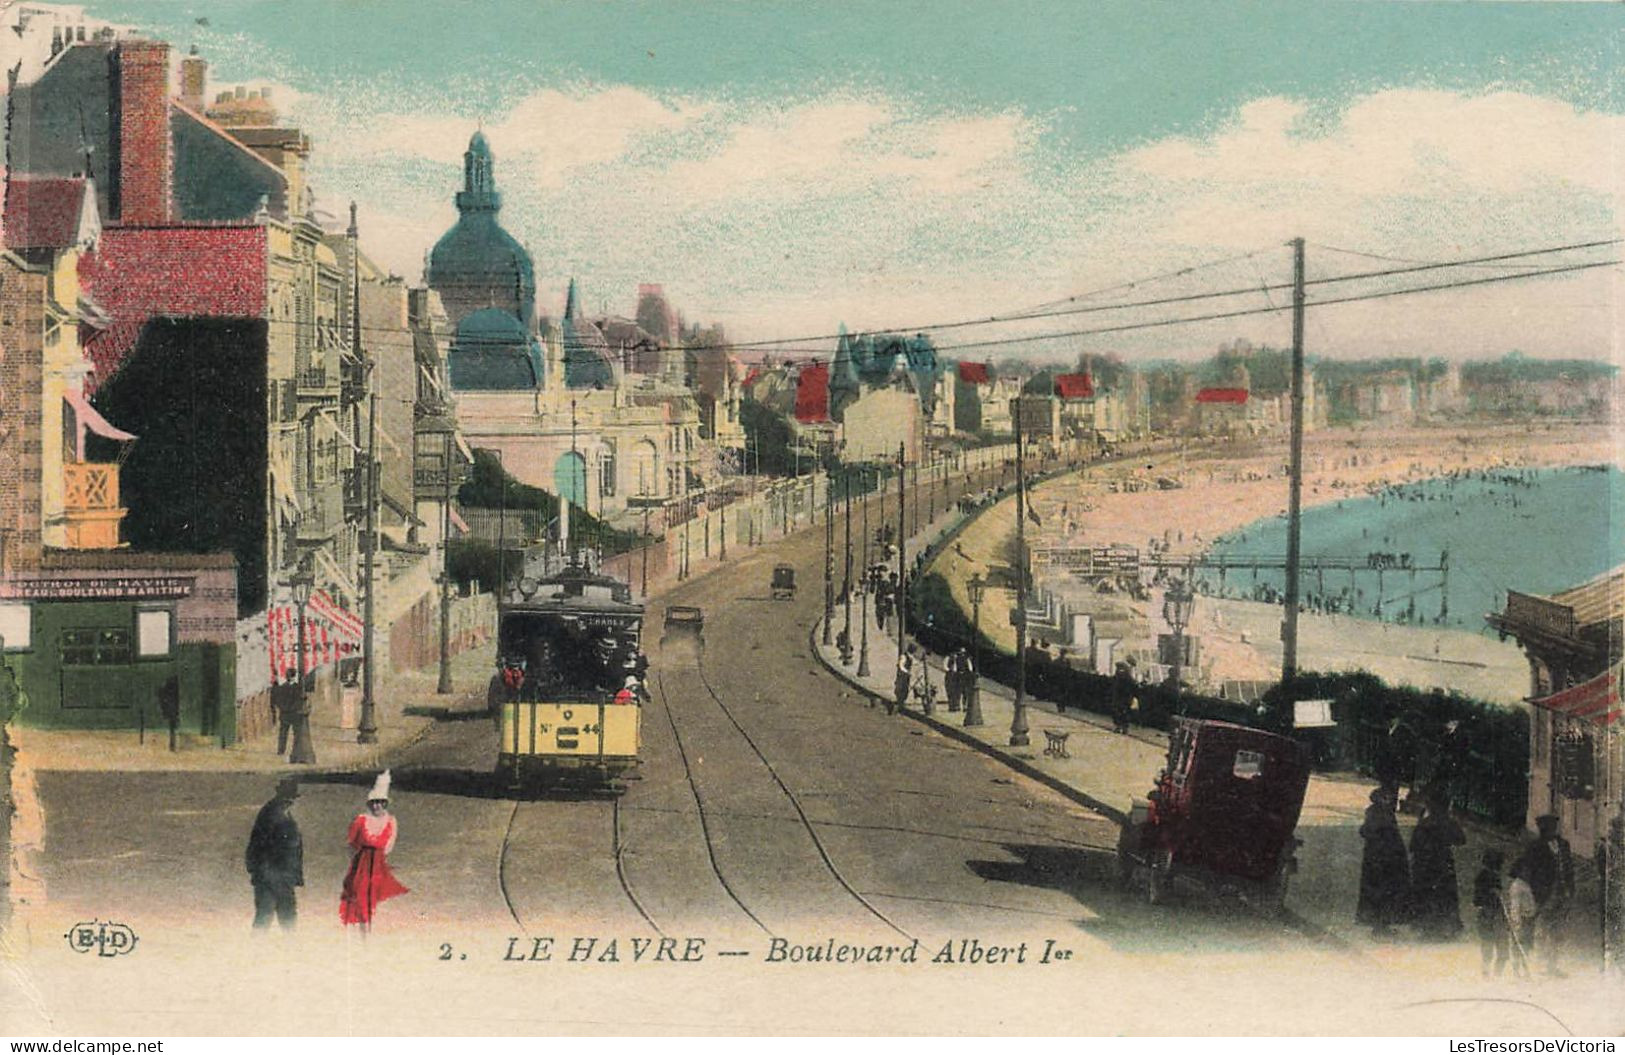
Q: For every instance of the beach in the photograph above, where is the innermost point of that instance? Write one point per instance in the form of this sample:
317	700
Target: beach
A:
1187	498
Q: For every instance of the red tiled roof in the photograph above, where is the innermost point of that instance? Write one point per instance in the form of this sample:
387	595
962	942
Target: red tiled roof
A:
812	394
1074	386
1237	396
974	373
213	271
43	213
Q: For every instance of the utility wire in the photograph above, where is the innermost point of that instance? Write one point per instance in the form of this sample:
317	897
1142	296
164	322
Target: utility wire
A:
1184	298
1240	312
1536	270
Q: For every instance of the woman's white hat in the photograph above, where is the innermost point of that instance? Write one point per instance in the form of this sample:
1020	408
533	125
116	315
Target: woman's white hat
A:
631	681
380	788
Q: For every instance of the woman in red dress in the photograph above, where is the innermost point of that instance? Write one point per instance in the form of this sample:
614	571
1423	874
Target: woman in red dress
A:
369	880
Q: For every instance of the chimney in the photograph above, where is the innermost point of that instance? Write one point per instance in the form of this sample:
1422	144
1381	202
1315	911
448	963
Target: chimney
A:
194	79
143	165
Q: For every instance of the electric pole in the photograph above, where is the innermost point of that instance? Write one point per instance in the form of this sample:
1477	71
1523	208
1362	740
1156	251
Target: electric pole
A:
829	567
368	731
846	581
902	550
443	685
1018	719
1294	516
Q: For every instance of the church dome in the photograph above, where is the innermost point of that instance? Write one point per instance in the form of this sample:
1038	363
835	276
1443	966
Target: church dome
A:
492	351
477	264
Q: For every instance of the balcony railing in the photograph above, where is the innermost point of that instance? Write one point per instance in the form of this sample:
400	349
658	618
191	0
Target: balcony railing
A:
315	377
90	505
321	511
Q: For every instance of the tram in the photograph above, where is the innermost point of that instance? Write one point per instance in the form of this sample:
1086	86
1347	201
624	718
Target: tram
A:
567	645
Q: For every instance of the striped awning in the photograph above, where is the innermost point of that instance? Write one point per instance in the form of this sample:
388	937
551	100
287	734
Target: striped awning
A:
331	634
1596	701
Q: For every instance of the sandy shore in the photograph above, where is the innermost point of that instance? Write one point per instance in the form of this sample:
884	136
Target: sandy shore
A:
1223	487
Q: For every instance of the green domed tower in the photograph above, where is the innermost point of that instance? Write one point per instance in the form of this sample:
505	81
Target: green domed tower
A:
477	264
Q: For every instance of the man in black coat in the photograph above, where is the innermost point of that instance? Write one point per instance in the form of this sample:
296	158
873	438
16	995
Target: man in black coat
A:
276	858
1550	874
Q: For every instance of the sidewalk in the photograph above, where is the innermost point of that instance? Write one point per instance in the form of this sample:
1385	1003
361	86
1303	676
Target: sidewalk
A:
406	707
1106	771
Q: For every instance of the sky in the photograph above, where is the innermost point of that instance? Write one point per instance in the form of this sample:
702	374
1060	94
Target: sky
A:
787	168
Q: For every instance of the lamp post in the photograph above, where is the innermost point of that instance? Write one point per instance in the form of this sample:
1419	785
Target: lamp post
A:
863	611
973	698
1178	601
304	752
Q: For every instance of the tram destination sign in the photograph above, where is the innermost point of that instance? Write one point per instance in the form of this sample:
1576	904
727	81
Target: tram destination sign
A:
109	588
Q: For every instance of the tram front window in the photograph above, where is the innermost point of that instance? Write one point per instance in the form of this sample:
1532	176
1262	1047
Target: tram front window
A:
561	659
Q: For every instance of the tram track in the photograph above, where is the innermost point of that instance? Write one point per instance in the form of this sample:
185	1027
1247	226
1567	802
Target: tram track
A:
699	805
795	803
618	847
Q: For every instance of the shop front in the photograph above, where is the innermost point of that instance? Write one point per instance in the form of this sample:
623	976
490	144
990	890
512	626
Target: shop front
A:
107	639
1577	758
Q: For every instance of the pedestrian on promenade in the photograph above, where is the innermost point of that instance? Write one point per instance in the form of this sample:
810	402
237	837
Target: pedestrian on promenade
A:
369	880
285	707
1123	686
275	858
1385	879
1550	872
1435	903
1494	941
955	678
901	683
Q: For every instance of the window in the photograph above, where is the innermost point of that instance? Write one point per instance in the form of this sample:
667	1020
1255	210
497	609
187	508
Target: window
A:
606	473
95	647
154	632
16	626
1249	765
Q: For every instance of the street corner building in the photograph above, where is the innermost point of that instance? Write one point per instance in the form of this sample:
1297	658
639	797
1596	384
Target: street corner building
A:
98	638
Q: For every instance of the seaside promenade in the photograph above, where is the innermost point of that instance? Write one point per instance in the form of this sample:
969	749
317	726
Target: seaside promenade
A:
1105	771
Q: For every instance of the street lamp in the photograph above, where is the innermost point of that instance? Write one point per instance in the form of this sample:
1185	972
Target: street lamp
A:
304	752
1178	602
973	699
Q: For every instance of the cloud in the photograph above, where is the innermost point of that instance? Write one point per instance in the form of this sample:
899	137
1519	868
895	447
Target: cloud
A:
541	139
786	216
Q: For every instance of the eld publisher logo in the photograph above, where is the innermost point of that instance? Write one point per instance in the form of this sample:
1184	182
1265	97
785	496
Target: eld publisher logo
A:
105	939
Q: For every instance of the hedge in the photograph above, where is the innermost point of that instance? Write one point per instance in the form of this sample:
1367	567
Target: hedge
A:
1395	734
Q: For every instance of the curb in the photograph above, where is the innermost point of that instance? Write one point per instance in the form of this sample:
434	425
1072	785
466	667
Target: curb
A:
1020	765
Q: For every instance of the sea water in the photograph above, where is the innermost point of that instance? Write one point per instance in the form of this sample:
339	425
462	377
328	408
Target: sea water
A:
1530	530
